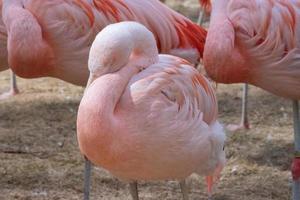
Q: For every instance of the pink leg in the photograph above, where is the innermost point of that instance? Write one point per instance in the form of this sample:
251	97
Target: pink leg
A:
209	182
244	120
201	17
13	90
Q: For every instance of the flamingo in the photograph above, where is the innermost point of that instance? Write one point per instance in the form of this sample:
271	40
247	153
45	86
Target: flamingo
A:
53	38
63	31
142	113
257	42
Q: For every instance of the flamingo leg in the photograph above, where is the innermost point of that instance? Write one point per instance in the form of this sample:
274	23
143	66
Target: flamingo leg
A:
209	182
133	188
87	178
244	124
184	190
201	17
244	120
13	83
296	162
13	88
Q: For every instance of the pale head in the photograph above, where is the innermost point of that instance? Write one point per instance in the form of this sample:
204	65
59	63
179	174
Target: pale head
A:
118	44
218	158
219	146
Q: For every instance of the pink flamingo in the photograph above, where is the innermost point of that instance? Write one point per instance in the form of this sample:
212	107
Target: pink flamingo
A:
53	38
257	42
146	116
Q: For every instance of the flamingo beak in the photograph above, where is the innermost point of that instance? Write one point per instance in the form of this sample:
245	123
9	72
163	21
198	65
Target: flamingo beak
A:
211	180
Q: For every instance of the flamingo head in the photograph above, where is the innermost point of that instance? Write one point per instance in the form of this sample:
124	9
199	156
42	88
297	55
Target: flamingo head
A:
218	156
120	44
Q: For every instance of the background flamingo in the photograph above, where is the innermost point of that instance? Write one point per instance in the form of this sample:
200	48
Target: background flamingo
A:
63	36
144	114
257	42
3	45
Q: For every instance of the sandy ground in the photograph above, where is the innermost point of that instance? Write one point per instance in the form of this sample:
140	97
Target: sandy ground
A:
39	156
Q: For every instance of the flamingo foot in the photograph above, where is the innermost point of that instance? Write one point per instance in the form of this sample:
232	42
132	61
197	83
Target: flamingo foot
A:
236	127
134	190
184	190
11	93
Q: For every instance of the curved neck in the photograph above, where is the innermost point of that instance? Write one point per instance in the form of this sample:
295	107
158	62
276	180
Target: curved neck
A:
223	61
219	44
118	44
29	54
219	18
118	52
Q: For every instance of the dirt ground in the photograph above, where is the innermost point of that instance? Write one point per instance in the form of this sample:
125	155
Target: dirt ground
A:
39	156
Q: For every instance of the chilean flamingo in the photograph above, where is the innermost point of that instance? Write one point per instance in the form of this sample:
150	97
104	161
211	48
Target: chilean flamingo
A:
63	31
146	116
53	38
257	42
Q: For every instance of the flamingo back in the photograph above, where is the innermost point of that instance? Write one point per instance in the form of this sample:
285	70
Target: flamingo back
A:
68	28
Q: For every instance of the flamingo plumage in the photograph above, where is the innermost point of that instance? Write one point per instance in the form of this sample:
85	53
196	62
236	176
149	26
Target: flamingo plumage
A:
257	42
52	38
142	113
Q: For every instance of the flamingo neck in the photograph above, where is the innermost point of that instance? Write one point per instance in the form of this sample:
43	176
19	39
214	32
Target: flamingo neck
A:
29	54
221	58
118	44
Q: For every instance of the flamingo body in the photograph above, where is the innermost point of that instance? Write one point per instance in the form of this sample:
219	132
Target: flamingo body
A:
256	42
52	38
159	123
